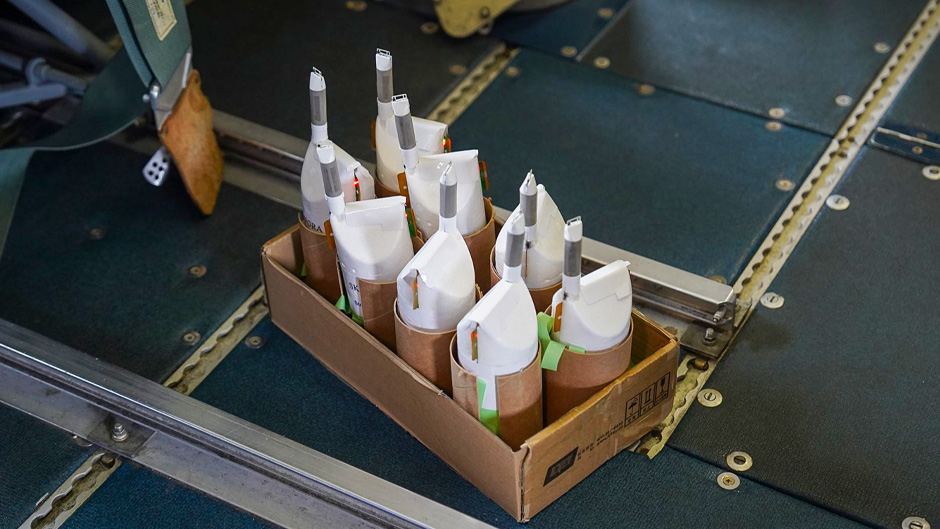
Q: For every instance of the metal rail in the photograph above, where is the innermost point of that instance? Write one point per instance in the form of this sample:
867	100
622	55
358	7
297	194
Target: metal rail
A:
253	469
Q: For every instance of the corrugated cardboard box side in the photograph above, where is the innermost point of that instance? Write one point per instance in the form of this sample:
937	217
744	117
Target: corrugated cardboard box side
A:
524	481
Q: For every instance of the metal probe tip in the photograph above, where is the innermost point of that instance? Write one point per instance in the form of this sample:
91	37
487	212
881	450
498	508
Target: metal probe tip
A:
317	81
448	177
573	229
325	152
400	105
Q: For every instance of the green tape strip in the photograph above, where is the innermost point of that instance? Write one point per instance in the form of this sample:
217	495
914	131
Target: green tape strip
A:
489	418
552	350
343	305
545	325
410	215
552	355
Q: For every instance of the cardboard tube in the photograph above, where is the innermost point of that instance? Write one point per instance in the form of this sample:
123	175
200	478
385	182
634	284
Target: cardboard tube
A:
381	191
542	297
321	262
378	305
580	375
378	311
426	352
519	396
481	243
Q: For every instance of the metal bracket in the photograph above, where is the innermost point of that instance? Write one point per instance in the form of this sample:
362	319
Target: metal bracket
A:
157	167
920	145
705	340
136	435
163	99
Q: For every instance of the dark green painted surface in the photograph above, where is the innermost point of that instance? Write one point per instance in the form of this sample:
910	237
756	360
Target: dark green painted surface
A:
832	394
755	56
676	179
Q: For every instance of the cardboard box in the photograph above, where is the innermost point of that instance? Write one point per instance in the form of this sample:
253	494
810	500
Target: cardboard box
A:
524	481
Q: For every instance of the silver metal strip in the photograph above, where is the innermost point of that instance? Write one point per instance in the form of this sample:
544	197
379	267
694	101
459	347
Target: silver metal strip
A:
907	137
656	285
57	507
460	98
242	464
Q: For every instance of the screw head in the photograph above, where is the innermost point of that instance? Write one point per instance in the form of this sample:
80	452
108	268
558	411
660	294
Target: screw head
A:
837	202
773	126
605	13
485	12
709	398
728	481
356	5
601	62
843	100
701	364
777	113
429	28
254	342
931	172
569	51
458	69
785	185
917	149
191	338
739	461
882	47
512	71
646	89
771	300
915	522
709	336
197	271
96	234
118	433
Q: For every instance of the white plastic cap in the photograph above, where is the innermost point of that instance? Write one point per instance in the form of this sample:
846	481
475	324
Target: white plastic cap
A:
529	186
401	106
325	152
573	229
449	176
383	60
317	81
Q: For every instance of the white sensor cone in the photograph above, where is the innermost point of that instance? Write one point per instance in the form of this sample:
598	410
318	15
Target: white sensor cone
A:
429	135
592	312
356	181
352	176
499	336
600	317
423	189
373	241
542	264
437	287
